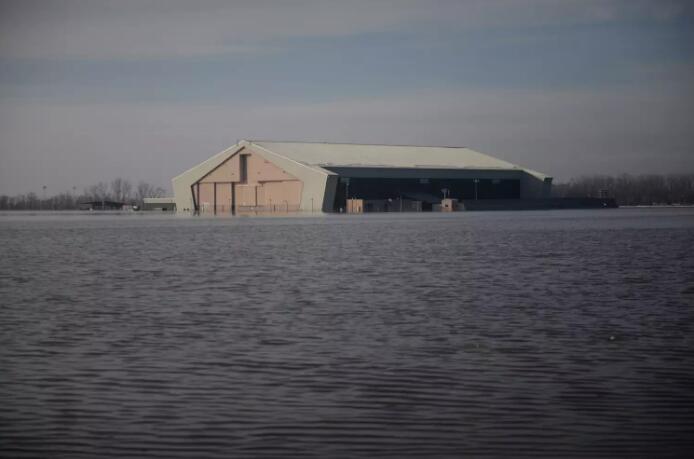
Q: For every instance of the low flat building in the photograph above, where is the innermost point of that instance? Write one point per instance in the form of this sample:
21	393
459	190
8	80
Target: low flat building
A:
161	204
278	177
101	205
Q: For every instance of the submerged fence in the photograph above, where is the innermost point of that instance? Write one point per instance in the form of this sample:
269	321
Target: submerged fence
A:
266	209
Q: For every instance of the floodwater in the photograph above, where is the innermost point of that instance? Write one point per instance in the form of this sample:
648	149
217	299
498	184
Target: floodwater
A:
554	333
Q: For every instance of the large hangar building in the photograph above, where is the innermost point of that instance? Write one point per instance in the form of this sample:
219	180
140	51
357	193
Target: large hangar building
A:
261	176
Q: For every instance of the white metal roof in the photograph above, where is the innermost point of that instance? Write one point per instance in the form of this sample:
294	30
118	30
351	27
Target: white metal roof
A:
165	200
400	156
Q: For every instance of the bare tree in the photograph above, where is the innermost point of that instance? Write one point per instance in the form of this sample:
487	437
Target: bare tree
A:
142	191
32	201
98	192
145	190
116	191
127	189
121	189
633	190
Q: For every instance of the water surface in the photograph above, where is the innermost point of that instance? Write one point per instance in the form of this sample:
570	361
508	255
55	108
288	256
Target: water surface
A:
555	333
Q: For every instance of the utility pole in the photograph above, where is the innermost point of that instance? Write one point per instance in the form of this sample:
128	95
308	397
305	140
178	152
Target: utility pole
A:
346	180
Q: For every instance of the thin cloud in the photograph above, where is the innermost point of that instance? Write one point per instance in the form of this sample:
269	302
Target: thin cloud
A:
159	29
566	101
564	133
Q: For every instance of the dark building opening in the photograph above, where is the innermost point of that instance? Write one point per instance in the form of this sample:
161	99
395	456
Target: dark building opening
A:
243	168
428	191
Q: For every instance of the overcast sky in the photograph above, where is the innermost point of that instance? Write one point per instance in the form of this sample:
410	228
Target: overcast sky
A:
91	90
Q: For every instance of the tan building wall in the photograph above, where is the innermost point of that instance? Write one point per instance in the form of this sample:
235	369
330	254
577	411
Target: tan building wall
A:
275	194
228	171
246	195
224	197
317	185
206	196
449	205
267	188
355	206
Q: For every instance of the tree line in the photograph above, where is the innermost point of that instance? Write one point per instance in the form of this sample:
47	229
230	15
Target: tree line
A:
118	190
626	189
631	190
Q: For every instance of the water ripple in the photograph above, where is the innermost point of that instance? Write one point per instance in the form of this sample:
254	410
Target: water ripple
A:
481	334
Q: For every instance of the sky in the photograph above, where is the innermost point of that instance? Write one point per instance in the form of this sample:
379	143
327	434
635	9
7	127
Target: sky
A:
91	90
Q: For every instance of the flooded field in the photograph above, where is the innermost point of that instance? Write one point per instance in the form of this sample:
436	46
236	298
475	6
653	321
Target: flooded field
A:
555	333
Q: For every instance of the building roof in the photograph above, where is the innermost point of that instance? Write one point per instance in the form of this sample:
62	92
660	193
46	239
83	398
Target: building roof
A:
397	156
320	156
162	200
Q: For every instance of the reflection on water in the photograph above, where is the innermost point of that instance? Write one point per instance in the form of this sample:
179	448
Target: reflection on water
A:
564	333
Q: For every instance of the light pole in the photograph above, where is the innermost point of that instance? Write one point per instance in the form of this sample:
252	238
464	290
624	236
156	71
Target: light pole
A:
346	182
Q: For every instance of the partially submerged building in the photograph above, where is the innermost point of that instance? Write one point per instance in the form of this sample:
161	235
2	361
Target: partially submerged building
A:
101	205
160	204
260	176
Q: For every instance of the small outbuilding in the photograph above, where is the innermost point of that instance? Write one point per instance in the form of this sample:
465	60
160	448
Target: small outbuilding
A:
101	205
161	204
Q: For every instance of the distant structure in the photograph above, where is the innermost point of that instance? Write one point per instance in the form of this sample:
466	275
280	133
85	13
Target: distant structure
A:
161	204
101	205
257	176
